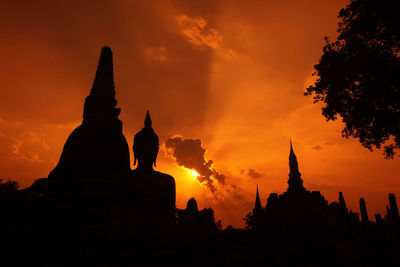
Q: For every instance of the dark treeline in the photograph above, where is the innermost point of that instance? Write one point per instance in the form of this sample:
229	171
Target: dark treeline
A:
93	209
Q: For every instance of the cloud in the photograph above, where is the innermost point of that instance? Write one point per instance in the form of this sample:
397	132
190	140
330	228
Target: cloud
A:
254	174
31	156
316	147
20	158
190	154
158	54
70	125
21	146
196	32
251	173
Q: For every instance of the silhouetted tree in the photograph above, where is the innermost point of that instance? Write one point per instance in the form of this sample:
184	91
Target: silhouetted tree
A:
358	75
8	187
249	220
9	193
10	203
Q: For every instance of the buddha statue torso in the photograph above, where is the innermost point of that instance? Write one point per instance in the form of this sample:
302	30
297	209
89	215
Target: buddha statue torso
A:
155	195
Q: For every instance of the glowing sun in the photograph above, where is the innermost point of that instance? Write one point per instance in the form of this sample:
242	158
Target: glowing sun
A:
193	173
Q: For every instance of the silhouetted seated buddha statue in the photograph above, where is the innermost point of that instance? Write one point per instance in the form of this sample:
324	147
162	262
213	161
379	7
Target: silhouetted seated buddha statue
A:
155	191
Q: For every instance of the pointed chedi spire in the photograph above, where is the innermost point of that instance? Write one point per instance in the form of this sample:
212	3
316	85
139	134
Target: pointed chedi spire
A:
294	166
295	182
101	102
97	148
393	206
342	203
147	120
257	206
363	211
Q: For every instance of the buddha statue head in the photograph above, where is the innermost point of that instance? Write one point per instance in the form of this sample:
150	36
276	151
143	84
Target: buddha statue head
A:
146	145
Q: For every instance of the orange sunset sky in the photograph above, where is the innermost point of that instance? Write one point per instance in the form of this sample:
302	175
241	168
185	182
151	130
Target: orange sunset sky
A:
229	73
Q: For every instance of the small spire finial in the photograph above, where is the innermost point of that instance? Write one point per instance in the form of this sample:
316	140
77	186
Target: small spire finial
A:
257	206
147	121
291	153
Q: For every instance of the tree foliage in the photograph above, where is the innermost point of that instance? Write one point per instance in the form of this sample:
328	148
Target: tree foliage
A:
249	220
8	187
358	75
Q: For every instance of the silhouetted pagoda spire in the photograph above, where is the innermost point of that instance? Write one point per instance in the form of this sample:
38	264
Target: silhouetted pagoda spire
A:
342	203
393	205
392	210
295	182
97	148
363	210
147	120
101	101
257	206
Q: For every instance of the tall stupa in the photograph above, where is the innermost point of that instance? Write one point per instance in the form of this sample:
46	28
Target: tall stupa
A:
97	148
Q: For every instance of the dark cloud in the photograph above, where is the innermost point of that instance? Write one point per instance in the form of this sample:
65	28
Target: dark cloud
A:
254	174
235	192
319	147
251	173
190	154
328	144
316	147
